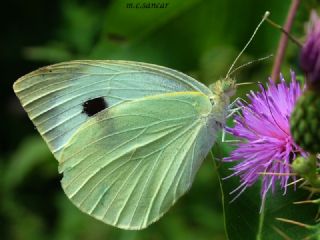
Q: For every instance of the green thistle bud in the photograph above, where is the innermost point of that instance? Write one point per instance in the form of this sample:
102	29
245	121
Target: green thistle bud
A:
304	166
305	122
307	168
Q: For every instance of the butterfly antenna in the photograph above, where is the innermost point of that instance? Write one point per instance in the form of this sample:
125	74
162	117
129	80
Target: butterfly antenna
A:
249	63
245	83
267	13
292	38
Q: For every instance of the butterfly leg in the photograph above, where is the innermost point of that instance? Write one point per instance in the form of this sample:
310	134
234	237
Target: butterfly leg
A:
223	138
234	102
232	111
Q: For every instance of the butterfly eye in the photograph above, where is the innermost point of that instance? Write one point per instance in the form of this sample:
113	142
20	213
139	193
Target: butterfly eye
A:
93	106
212	101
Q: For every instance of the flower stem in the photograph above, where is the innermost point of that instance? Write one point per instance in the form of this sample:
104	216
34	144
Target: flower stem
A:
284	40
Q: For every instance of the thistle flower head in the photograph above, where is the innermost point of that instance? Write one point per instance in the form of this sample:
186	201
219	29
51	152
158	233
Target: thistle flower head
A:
310	53
266	144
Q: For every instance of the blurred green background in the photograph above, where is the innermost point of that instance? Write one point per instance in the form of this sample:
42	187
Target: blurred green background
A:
198	37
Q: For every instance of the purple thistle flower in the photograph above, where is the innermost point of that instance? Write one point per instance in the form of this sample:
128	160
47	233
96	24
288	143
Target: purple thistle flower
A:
267	145
310	53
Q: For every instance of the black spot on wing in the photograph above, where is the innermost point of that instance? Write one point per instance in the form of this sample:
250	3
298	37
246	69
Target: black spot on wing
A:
93	106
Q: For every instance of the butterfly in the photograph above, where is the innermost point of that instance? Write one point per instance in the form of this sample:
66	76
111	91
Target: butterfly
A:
129	137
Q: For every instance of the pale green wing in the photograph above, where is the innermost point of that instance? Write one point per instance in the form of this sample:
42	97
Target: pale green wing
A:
129	164
53	96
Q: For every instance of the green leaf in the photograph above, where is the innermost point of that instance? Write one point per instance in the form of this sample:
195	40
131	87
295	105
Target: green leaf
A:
32	152
52	53
30	159
124	19
82	25
241	215
126	26
245	220
282	206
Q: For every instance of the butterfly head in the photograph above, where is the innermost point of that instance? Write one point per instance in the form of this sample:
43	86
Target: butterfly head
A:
224	88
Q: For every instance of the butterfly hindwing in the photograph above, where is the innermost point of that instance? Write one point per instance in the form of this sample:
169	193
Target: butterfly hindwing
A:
57	98
128	164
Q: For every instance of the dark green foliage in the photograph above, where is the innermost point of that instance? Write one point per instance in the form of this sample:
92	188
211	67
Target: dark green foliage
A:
198	37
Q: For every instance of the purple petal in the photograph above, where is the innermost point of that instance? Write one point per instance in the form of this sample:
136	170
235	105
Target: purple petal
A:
266	146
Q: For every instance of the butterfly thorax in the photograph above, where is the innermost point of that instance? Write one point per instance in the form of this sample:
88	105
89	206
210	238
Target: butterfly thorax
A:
222	91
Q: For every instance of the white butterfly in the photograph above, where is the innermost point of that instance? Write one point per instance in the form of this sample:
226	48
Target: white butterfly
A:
129	137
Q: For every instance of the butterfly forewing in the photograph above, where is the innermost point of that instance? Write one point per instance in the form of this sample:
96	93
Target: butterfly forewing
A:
56	96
